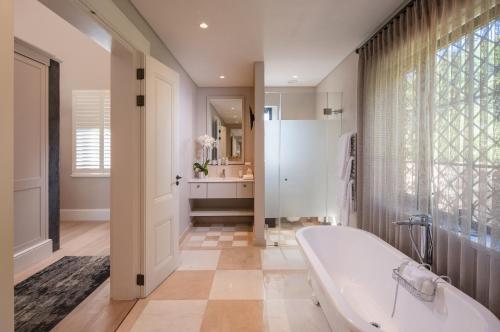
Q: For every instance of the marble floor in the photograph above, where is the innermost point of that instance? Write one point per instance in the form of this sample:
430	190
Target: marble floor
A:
284	233
230	285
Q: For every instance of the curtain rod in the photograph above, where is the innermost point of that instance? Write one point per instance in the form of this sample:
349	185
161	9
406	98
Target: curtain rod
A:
385	26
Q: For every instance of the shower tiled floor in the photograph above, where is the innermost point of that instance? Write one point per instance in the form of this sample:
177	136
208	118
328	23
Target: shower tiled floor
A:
230	287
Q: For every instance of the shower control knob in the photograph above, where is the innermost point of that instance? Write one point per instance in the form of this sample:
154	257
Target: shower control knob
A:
286	179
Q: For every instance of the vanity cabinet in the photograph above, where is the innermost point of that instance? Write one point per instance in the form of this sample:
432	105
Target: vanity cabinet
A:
221	190
244	190
201	190
198	190
214	197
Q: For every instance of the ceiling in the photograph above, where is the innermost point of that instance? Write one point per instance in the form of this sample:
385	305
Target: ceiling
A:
230	110
302	38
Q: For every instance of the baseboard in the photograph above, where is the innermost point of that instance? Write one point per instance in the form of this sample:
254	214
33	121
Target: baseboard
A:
33	255
185	233
85	214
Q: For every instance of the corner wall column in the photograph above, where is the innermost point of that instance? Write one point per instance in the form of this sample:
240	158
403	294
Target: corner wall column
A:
259	199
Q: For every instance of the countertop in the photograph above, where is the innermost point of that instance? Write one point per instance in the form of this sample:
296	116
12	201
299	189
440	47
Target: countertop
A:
218	180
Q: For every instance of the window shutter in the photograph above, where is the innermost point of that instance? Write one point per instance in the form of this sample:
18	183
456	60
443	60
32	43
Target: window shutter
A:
91	131
107	131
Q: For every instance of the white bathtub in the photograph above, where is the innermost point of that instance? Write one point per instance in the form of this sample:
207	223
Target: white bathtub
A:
351	276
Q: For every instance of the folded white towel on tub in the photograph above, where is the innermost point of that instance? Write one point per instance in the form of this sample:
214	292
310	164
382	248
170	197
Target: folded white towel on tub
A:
418	276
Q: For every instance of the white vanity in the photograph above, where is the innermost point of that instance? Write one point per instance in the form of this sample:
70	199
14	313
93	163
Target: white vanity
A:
210	197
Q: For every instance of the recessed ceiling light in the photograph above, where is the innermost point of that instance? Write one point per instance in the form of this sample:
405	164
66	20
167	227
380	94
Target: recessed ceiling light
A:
203	25
232	108
295	76
222	77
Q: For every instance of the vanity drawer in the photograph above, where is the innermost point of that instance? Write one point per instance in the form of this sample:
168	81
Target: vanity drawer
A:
198	190
244	190
221	190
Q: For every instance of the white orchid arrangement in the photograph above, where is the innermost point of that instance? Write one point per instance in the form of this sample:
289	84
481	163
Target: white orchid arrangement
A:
207	144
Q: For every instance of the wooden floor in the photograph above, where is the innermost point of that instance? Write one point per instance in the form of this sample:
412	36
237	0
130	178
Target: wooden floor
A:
97	312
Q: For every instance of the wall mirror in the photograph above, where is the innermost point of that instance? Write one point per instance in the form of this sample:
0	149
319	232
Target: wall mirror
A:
225	123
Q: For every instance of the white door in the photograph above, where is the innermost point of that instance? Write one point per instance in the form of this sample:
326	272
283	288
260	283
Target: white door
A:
161	194
30	154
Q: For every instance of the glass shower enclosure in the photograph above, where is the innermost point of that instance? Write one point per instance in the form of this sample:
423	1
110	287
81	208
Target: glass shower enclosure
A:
301	131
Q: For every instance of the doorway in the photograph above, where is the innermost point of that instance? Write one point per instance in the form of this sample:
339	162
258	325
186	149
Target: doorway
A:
62	165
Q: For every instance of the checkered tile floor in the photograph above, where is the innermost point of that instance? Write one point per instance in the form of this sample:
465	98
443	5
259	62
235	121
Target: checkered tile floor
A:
236	288
218	236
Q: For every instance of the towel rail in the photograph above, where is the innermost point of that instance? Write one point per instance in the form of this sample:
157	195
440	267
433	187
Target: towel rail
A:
352	177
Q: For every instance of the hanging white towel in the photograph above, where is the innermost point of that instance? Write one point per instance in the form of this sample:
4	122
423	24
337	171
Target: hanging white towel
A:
344	153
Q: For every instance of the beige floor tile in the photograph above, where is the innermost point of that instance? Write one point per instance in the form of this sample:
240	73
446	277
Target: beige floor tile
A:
295	315
237	285
132	316
240	259
240	243
195	238
275	316
194	244
225	244
282	259
185	285
226	238
201	229
286	285
239	233
209	244
213	233
233	316
199	259
168	316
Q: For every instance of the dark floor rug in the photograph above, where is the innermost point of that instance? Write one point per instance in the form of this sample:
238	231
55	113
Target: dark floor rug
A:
45	298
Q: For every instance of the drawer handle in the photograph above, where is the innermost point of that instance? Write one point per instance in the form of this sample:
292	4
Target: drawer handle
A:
244	186
197	186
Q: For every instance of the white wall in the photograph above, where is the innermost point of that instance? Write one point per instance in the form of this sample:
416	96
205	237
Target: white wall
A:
201	114
6	166
344	79
85	65
297	103
187	104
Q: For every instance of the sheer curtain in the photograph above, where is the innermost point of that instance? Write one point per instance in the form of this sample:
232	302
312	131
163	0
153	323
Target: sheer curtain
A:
430	136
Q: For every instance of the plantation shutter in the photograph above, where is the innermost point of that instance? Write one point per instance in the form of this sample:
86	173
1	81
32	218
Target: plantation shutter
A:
91	131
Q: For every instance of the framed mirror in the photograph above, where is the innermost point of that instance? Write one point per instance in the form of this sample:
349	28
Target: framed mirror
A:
225	123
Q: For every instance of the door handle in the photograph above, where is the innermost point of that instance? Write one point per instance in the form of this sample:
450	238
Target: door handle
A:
177	178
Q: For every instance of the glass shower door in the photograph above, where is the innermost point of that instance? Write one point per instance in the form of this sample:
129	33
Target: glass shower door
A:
303	169
300	148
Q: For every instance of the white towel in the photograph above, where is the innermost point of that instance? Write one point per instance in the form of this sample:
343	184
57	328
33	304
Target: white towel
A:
418	276
344	153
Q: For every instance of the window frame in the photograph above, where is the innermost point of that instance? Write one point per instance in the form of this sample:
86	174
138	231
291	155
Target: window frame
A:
102	172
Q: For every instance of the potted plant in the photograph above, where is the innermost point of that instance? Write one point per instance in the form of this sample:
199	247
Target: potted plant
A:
201	167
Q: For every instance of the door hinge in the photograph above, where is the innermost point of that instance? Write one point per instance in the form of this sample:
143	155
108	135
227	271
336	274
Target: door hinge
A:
140	100
140	73
140	279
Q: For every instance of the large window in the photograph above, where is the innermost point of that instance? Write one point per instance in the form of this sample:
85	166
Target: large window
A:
91	133
466	130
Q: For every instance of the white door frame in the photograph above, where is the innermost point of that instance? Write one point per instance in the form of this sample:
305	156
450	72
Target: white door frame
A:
98	18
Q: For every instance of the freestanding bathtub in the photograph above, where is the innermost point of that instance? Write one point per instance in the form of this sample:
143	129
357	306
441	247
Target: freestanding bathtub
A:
351	276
